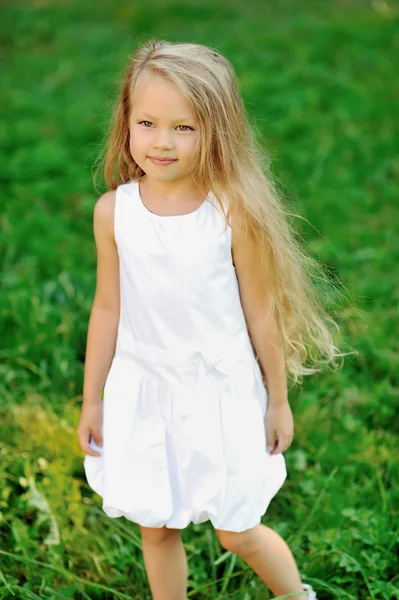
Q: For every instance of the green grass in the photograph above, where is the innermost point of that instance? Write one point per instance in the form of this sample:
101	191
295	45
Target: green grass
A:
320	83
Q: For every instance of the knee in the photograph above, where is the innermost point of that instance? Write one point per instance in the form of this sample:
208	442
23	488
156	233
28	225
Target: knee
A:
242	543
158	535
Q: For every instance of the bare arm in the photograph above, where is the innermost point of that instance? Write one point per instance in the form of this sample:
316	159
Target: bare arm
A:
104	317
261	323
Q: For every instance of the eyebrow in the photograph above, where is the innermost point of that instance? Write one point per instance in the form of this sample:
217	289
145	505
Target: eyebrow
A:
179	120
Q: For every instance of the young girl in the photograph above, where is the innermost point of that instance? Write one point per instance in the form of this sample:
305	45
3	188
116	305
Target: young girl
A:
198	277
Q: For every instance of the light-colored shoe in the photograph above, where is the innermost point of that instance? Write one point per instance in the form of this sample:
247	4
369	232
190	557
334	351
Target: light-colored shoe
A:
311	593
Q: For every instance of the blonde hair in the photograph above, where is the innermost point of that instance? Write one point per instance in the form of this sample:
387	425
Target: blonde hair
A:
235	166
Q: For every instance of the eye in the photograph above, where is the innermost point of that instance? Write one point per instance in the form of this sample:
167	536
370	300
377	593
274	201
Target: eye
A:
187	126
144	123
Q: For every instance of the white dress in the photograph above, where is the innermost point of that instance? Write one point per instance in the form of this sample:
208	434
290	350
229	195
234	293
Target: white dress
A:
184	403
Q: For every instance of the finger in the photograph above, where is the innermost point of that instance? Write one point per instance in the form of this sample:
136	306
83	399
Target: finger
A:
85	444
88	450
97	437
286	438
282	445
271	445
276	449
271	439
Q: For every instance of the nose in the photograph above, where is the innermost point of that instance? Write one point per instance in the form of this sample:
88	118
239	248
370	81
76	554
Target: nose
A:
163	140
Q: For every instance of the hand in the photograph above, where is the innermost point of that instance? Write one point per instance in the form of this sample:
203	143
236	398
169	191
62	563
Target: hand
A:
90	424
279	421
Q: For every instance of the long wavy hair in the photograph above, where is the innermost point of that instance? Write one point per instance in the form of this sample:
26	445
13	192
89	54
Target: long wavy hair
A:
234	165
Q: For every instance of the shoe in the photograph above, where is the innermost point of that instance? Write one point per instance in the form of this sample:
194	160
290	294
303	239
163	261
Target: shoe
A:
311	593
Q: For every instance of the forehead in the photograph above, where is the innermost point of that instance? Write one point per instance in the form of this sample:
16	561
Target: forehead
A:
155	95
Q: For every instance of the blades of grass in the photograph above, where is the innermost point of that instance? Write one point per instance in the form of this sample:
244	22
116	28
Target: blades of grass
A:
303	594
382	490
213	558
393	541
55	594
230	569
206	585
67	574
339	592
97	564
222	557
120	526
28	365
124	532
293	543
3	579
26	593
355	562
343	593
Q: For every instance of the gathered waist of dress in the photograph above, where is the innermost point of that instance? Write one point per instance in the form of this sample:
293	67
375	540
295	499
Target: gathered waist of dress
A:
185	364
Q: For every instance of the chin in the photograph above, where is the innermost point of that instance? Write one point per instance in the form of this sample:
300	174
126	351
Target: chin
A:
155	174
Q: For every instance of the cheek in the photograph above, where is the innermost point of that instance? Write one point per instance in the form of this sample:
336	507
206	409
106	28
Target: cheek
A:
137	144
188	147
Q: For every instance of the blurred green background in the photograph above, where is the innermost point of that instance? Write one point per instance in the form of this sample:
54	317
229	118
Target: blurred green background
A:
319	80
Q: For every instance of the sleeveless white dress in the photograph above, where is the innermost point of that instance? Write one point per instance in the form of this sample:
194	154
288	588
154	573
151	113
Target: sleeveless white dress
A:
184	404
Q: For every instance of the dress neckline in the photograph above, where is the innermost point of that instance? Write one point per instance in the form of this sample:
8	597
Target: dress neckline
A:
157	216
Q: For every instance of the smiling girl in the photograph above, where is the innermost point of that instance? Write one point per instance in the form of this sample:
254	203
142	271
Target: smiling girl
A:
204	304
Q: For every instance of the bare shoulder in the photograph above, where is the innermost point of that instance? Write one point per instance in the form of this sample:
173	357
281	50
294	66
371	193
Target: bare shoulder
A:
105	206
103	214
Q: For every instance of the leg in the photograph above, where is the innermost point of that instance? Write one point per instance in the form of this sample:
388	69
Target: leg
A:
165	562
269	556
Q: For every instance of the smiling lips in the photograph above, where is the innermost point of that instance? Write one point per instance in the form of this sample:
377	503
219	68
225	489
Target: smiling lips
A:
159	160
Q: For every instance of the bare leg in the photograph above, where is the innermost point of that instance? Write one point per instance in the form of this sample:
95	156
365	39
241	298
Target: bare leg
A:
165	562
269	556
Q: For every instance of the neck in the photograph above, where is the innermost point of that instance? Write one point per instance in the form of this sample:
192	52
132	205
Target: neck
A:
183	189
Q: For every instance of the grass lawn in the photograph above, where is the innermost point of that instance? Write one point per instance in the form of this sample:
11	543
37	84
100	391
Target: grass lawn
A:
321	87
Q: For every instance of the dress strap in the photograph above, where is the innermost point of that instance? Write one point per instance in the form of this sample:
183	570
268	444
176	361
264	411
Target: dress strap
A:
125	208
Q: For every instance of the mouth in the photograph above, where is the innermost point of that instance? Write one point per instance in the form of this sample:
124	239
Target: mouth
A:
159	160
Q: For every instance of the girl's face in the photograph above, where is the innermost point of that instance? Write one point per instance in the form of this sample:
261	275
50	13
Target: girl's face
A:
163	125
